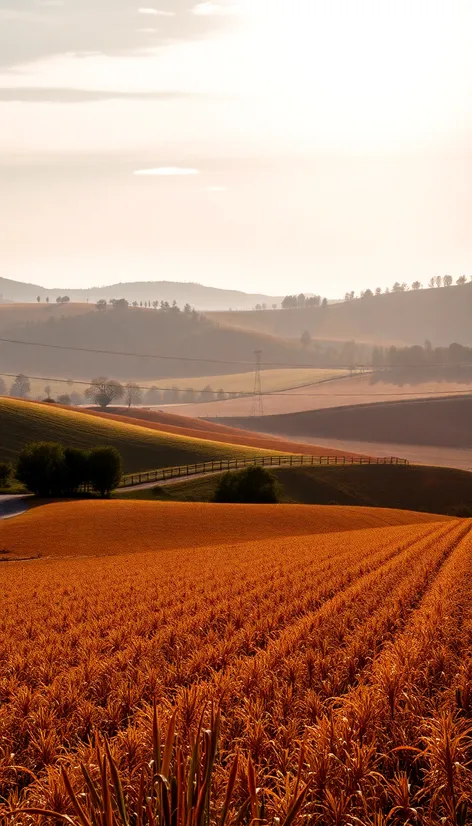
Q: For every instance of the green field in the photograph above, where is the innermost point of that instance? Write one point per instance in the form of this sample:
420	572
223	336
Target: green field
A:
414	487
141	448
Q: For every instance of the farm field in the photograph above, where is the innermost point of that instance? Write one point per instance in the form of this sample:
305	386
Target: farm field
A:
97	528
412	487
142	448
200	429
356	643
439	422
342	392
272	380
446	457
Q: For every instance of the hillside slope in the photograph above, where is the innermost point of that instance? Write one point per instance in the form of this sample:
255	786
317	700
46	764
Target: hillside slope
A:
200	429
97	528
443	422
177	336
411	487
440	315
141	447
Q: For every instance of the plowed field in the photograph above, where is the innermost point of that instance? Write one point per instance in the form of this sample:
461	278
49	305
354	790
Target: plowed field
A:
355	643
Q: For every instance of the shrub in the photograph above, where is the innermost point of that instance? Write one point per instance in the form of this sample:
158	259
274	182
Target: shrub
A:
41	468
76	472
6	471
104	469
47	469
253	485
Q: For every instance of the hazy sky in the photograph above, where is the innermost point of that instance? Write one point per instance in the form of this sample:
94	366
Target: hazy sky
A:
267	145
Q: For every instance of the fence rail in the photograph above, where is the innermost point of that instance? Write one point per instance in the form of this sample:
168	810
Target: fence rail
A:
219	465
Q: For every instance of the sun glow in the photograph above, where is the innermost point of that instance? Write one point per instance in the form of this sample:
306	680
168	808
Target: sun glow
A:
372	69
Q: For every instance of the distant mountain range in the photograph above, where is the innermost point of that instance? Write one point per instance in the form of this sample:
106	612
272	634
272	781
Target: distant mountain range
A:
197	295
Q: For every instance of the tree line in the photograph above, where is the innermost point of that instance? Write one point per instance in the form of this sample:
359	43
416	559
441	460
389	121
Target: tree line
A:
417	356
301	300
418	364
104	391
437	281
47	469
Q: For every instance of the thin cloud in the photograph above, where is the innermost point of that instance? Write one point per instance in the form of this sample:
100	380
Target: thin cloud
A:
217	189
66	95
168	171
31	31
155	12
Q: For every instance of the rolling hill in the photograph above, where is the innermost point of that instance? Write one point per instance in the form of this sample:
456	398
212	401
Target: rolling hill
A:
200	429
108	528
440	315
199	296
142	448
442	422
191	344
412	487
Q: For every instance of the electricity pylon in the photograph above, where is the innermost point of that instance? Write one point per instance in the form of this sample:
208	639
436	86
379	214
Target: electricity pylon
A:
257	402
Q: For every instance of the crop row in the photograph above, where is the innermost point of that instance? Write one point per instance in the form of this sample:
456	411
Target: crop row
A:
352	644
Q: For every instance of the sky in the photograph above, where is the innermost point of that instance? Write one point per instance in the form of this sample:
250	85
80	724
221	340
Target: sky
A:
272	146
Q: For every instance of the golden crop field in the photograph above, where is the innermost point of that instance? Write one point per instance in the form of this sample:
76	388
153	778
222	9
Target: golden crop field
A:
141	448
273	380
321	678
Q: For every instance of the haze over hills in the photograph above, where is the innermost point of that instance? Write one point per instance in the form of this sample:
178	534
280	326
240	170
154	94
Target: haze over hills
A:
197	295
399	318
191	343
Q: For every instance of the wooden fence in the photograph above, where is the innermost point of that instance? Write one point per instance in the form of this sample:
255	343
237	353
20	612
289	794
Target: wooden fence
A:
219	465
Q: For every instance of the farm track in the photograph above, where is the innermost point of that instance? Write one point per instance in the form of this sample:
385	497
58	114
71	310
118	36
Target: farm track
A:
292	638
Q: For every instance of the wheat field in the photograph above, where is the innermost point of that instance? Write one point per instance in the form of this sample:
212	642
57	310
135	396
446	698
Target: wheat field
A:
319	677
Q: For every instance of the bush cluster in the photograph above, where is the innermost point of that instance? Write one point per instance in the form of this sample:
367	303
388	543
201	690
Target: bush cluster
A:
253	485
6	472
48	469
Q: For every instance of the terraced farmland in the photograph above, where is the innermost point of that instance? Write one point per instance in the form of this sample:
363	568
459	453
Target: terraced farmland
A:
340	664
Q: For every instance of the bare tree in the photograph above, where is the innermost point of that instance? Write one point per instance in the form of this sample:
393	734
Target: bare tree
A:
416	285
447	280
133	394
20	387
461	280
104	391
438	281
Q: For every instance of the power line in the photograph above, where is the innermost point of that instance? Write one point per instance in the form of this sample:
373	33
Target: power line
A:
293	365
247	394
257	403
